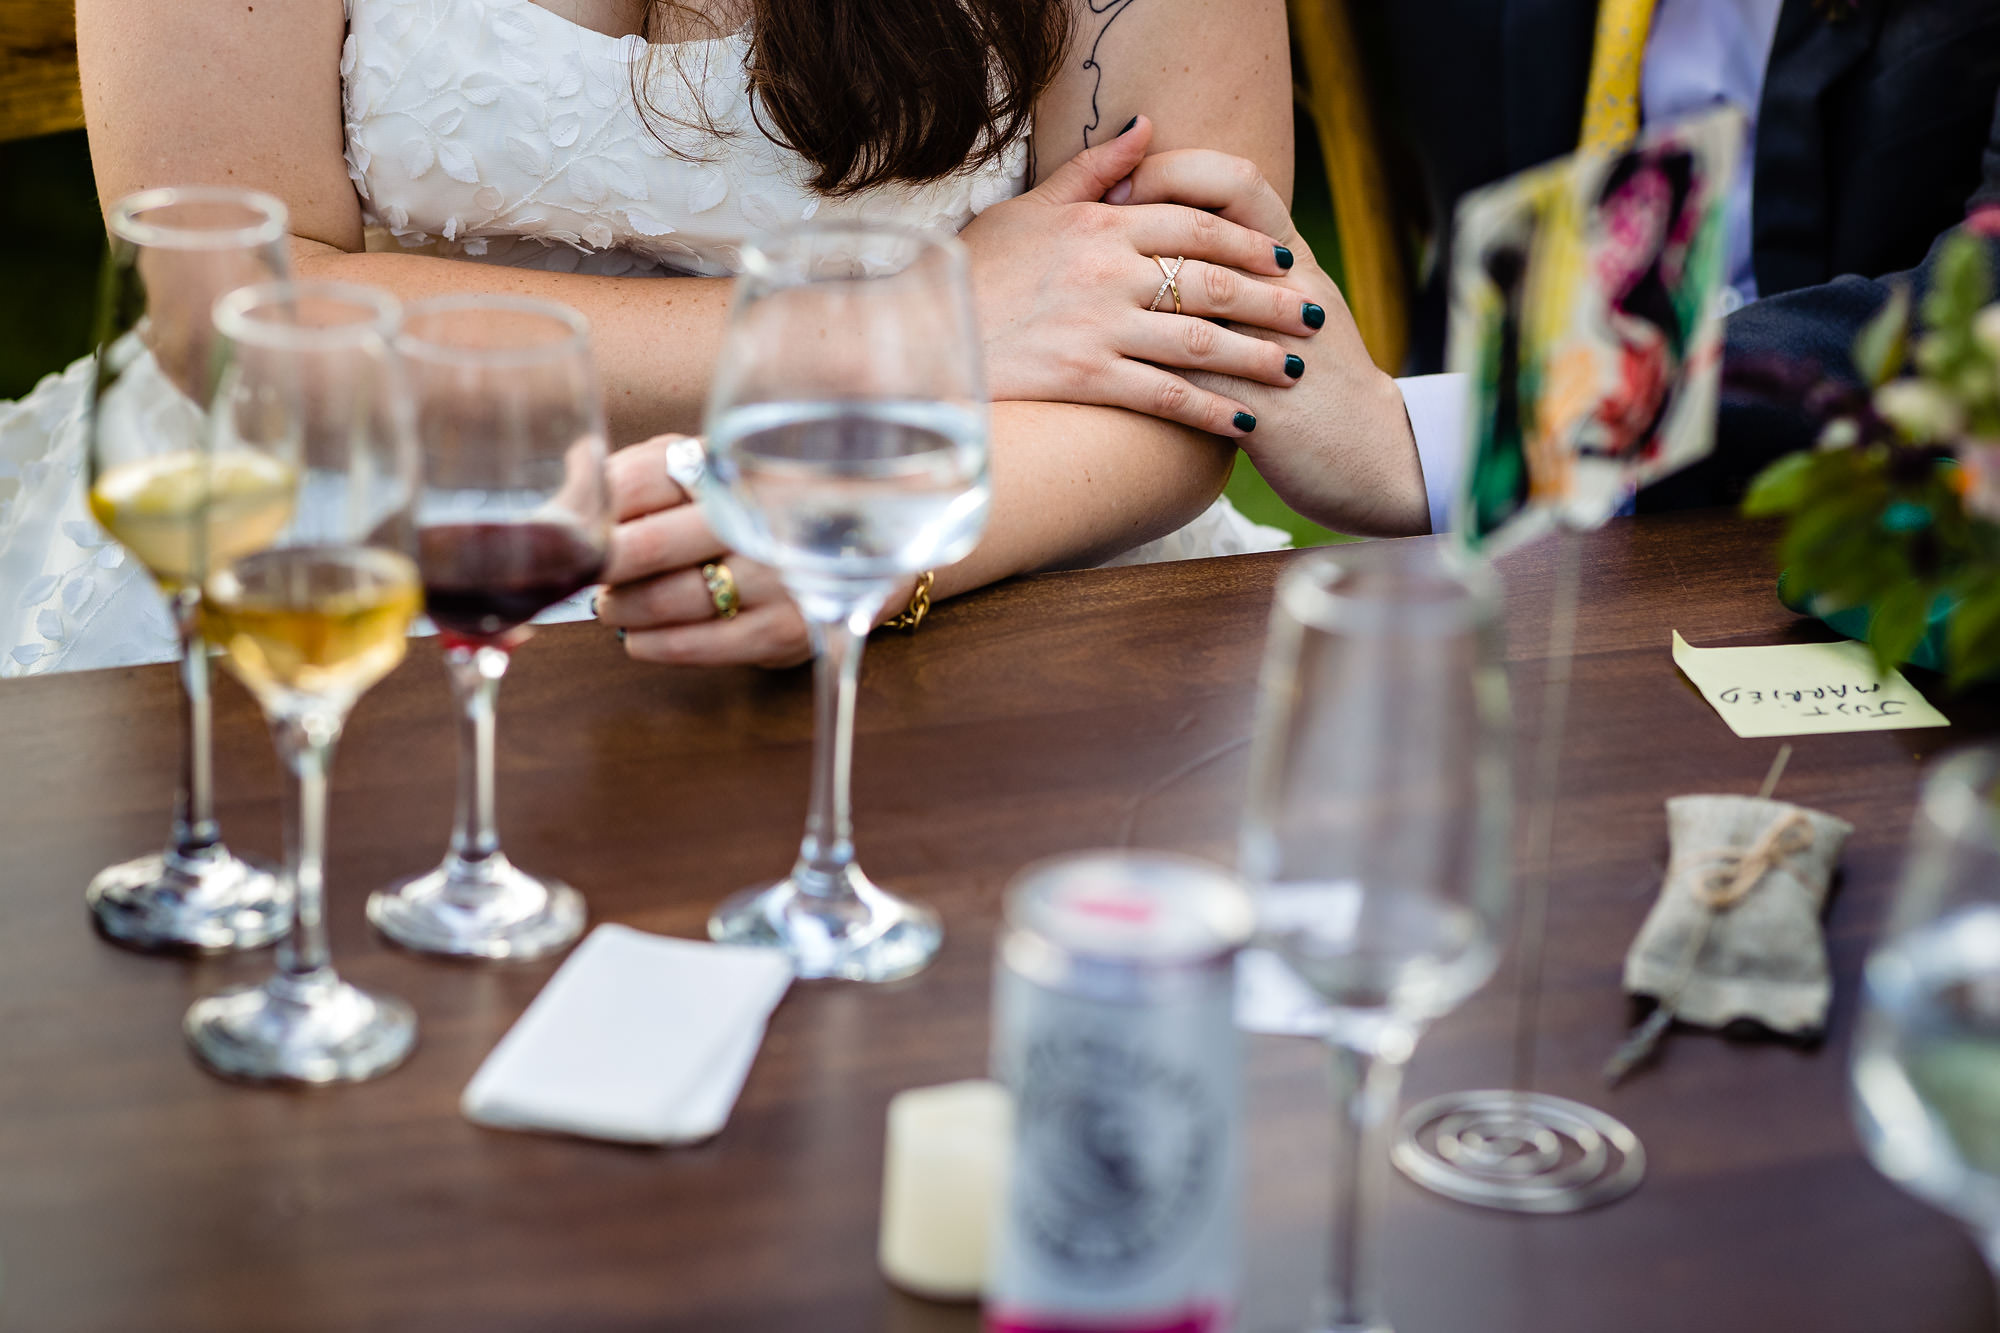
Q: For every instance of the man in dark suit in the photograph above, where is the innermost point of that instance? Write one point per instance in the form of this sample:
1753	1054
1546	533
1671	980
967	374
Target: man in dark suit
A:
1877	125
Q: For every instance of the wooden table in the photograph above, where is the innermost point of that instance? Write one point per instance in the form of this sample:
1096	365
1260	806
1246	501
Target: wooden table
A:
137	1193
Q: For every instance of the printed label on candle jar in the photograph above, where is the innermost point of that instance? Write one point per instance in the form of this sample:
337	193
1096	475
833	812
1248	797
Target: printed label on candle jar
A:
1119	1152
1118	1040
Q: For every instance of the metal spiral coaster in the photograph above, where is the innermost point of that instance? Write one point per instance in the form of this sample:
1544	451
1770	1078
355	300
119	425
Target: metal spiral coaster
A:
1513	1149
1526	1152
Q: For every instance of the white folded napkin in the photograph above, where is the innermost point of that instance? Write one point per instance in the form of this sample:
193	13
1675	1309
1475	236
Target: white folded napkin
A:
637	1038
1271	999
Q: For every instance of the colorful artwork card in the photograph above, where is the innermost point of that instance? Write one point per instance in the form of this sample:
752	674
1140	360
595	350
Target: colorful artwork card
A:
1586	314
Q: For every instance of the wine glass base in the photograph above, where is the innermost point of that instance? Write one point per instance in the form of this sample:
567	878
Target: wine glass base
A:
1520	1152
208	902
319	1030
487	909
854	931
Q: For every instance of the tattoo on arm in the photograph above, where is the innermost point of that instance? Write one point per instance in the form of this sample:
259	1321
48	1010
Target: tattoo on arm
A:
1110	9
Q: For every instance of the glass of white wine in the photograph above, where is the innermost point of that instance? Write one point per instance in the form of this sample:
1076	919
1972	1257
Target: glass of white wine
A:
1926	1069
846	448
308	622
176	507
1375	835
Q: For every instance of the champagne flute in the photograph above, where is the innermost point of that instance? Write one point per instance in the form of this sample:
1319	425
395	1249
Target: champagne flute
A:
1926	1070
846	448
1375	834
176	509
308	623
513	518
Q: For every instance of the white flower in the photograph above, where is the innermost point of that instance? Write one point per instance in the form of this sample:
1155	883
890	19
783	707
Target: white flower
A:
1986	328
1840	433
1924	413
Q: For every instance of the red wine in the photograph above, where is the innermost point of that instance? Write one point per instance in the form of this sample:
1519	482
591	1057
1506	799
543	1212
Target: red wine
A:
484	580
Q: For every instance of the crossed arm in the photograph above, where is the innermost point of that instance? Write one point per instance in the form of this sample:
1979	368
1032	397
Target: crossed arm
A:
1097	446
231	92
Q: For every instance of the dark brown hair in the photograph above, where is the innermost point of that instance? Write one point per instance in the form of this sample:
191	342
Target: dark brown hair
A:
872	91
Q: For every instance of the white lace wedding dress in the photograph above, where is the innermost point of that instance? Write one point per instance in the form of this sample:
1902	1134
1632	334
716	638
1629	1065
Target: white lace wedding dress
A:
496	131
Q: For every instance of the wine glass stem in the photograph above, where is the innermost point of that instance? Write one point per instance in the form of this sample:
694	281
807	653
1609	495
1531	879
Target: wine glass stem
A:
1365	1087
195	829
828	848
475	681
305	744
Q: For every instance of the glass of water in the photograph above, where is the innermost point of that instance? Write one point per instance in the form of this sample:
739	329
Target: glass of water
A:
1927	1060
1375	834
846	448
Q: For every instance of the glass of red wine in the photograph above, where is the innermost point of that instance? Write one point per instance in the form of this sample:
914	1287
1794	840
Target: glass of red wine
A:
513	519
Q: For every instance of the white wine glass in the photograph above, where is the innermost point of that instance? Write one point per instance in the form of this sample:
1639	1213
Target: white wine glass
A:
1926	1068
846	448
1375	835
308	622
175	508
513	518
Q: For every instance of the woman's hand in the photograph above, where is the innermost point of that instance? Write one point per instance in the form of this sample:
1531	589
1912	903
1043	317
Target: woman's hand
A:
656	591
1337	445
1064	282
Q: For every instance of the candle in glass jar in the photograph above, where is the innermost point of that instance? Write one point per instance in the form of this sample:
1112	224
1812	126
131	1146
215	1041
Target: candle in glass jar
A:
943	1175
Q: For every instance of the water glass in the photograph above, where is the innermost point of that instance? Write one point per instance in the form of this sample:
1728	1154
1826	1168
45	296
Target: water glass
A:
1926	1070
1375	834
847	448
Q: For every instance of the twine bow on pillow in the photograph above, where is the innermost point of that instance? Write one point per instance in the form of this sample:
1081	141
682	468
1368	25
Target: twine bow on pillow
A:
1732	874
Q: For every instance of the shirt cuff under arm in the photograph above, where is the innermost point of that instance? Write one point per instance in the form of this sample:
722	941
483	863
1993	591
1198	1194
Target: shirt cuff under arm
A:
1437	406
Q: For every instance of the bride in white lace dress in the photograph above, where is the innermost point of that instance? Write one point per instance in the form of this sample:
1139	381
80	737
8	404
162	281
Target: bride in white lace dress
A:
551	148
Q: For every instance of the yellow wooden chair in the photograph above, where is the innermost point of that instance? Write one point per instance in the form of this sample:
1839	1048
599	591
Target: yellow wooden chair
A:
1336	93
38	88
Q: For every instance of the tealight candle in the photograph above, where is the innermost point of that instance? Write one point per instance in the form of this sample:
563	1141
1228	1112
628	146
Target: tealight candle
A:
943	1175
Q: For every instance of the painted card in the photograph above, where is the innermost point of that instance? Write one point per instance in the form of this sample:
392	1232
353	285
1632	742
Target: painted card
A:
1586	300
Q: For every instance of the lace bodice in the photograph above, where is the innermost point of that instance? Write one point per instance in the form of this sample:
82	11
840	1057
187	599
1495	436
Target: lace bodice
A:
497	129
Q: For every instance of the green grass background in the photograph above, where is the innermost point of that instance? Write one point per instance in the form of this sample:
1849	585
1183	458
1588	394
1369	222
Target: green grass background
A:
55	240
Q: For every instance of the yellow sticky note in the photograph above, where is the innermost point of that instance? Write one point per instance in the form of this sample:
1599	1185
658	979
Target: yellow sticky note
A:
1803	689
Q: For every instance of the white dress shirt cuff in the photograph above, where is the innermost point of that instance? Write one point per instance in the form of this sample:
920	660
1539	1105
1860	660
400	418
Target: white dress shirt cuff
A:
1436	404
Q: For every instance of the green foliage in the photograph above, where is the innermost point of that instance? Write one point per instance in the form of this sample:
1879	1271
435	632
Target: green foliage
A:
1951	355
1883	523
1974	638
1883	347
1781	487
1901	616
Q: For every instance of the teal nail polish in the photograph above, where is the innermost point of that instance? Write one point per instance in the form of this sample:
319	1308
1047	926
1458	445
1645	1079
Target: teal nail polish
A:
1284	256
1128	126
1245	422
1313	315
1295	366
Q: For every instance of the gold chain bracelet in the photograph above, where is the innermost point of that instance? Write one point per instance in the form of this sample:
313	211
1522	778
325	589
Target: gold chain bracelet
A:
919	607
